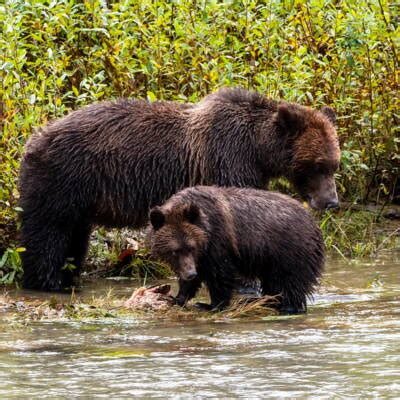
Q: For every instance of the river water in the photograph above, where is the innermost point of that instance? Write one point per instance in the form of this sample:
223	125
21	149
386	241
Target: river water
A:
348	345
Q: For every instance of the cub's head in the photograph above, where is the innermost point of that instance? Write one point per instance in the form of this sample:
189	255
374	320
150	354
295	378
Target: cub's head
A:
177	236
314	152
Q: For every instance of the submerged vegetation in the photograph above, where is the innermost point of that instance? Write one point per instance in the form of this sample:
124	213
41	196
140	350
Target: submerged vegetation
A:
60	55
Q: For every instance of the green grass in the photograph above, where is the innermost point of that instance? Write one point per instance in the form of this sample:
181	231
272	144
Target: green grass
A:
356	234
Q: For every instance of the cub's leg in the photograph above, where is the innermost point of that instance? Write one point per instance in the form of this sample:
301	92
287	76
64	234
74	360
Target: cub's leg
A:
187	290
221	289
291	299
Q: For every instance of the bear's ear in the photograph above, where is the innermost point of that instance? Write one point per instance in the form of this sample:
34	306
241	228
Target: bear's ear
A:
330	113
157	218
290	119
192	213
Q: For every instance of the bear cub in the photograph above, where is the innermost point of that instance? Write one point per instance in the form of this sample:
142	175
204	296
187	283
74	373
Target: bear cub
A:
214	235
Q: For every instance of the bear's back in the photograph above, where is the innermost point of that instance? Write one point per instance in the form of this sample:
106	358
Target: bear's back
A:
256	220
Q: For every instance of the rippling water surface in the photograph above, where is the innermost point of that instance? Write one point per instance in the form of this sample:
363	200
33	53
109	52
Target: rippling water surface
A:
347	345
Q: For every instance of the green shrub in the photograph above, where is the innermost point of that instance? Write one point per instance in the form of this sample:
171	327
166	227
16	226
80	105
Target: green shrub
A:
10	266
357	233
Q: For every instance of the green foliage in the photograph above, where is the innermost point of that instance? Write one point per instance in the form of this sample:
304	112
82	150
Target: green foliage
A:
107	247
60	55
143	267
10	266
357	233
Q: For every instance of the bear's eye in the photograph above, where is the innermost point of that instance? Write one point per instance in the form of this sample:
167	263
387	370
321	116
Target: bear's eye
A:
174	253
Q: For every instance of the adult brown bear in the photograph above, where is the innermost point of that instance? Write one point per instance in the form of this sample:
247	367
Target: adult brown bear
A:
110	162
214	235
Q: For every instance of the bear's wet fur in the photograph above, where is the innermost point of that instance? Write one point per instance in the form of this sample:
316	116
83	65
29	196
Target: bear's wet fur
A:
213	235
109	163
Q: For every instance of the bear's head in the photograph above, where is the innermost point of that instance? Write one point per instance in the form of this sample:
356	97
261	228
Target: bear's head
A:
314	152
177	236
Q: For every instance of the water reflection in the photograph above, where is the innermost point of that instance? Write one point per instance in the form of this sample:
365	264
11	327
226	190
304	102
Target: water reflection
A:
347	345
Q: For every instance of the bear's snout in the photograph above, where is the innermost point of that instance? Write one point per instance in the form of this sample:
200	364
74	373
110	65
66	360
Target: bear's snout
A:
187	268
325	196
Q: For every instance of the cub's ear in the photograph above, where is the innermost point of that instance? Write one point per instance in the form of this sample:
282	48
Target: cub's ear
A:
192	213
157	218
290	119
330	113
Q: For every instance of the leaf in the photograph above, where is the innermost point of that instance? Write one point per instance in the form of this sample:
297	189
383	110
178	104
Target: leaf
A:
4	258
151	96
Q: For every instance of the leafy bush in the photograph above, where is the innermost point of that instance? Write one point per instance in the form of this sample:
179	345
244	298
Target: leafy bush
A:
60	55
10	266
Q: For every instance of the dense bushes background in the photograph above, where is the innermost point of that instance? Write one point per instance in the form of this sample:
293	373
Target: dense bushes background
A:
62	54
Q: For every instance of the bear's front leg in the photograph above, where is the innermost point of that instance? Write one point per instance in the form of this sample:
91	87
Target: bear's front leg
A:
220	282
221	300
220	294
187	290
